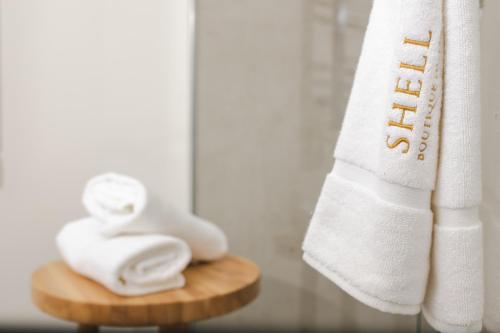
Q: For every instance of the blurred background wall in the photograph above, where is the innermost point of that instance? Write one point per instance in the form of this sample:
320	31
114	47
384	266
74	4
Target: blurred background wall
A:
87	86
273	81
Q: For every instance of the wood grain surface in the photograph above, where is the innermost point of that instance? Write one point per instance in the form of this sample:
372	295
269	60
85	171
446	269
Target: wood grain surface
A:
212	289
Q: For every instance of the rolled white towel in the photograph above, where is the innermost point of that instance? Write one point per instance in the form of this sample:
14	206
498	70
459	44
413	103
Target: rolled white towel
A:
119	203
206	240
114	199
126	265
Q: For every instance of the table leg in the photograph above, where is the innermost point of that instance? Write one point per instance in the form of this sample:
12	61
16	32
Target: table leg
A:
179	328
87	328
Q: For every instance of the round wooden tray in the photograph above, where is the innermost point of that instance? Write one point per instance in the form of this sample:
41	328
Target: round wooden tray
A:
212	289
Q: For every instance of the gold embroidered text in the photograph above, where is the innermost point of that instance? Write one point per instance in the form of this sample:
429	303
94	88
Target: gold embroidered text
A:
407	86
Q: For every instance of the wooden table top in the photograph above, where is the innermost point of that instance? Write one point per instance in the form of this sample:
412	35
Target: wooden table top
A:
212	289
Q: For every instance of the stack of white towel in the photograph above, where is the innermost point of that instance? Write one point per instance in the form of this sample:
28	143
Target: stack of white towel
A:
397	224
133	247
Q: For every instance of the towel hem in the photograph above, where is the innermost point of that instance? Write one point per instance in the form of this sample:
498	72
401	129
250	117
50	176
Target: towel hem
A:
454	299
441	326
360	295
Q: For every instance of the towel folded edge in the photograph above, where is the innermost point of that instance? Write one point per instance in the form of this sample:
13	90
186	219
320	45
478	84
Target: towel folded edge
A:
357	293
464	315
339	214
441	326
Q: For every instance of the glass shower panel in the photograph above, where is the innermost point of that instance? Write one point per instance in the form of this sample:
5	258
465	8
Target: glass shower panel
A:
273	78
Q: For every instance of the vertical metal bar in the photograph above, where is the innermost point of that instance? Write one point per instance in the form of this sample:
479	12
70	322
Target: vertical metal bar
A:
419	323
192	96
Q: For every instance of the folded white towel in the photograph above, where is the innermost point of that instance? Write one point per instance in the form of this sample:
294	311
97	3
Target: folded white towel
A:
371	230
120	203
454	300
206	240
126	265
115	199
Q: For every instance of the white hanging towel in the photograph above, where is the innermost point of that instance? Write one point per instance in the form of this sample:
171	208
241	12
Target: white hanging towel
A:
371	230
454	300
123	207
126	265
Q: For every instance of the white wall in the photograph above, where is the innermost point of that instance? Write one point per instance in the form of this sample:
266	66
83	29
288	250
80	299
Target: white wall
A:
88	86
